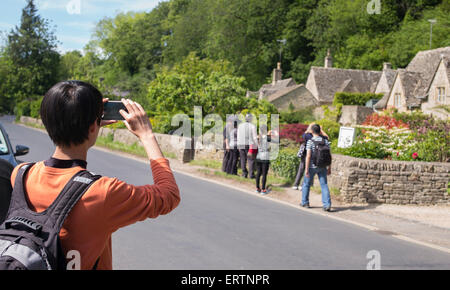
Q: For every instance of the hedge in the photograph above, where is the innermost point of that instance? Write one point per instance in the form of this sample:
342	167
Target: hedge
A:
356	99
286	164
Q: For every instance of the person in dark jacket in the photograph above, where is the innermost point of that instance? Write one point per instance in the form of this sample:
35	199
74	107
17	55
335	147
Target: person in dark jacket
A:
226	149
231	145
5	187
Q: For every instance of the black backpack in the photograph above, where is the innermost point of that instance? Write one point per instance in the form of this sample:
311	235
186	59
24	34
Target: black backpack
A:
321	156
30	240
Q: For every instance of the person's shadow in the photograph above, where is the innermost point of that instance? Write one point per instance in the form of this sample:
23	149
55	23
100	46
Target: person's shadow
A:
353	207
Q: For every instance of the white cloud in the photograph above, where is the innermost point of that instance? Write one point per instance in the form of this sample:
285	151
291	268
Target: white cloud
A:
46	4
79	24
74	39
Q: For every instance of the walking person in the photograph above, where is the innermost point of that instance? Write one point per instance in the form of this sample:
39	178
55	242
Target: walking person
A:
302	155
318	161
246	137
262	161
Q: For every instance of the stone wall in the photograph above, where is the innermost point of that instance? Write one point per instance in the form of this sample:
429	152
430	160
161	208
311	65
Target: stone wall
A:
173	145
392	182
32	121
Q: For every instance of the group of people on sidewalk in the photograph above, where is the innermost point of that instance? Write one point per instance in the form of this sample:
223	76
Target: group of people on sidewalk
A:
243	145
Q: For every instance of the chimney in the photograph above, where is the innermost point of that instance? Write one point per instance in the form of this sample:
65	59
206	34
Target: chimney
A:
328	60
387	65
276	74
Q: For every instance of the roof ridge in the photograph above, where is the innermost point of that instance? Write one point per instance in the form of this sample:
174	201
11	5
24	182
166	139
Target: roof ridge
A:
348	69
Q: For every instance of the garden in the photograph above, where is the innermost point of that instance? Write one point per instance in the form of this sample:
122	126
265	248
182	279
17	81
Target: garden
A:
386	135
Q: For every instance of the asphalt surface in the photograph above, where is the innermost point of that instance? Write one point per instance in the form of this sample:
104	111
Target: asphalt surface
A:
216	227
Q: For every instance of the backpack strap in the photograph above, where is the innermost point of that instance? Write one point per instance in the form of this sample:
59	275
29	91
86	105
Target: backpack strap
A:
18	200
69	196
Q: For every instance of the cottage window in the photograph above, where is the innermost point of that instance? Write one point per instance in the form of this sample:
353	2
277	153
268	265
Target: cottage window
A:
440	98
397	100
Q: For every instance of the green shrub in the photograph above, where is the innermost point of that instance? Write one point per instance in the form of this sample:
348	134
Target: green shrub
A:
332	115
368	150
286	164
297	117
22	109
433	146
358	99
28	107
35	108
330	127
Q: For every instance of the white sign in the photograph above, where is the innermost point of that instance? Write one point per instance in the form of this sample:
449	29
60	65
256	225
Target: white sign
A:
346	137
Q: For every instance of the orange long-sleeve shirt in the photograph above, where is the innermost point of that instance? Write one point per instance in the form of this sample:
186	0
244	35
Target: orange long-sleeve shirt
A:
108	205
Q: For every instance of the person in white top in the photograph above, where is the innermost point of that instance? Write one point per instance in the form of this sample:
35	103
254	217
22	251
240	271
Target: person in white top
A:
247	137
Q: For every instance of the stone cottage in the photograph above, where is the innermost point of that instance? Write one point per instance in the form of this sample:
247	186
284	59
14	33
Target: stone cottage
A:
424	84
285	94
325	82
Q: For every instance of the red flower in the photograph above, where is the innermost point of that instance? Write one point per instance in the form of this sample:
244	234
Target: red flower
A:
398	153
414	155
293	131
387	121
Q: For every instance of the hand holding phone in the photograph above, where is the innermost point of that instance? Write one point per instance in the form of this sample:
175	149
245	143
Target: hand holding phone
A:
111	110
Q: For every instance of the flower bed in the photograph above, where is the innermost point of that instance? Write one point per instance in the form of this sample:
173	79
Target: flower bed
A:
402	136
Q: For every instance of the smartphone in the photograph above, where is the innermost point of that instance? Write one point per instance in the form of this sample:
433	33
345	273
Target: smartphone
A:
111	110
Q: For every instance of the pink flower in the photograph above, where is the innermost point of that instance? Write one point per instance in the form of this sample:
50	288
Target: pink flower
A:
414	155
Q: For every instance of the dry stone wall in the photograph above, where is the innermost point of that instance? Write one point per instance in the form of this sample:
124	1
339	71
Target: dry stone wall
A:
392	182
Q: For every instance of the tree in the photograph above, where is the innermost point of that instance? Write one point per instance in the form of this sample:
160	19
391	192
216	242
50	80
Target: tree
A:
199	82
30	56
245	33
69	65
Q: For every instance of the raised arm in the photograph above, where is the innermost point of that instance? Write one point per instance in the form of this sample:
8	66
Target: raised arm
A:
139	124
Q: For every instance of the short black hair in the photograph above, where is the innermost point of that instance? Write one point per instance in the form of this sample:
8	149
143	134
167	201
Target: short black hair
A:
68	109
316	129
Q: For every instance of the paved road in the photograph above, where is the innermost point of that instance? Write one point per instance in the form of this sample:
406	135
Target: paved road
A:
216	227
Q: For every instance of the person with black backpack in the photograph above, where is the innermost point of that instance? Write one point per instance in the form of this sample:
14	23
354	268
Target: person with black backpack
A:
59	210
318	161
302	154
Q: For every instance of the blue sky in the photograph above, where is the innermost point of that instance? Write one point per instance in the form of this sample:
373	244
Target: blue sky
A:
74	23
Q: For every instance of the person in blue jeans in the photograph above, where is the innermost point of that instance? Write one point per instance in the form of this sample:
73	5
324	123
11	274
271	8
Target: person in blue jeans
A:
311	170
